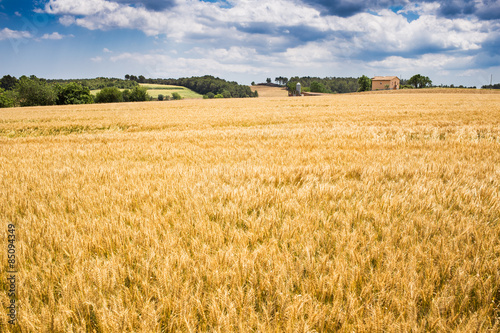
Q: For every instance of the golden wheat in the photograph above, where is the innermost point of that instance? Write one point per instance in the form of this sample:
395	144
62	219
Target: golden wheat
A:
376	212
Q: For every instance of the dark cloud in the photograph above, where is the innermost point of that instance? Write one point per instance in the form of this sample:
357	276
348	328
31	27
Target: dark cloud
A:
454	8
485	9
155	5
263	28
343	8
490	10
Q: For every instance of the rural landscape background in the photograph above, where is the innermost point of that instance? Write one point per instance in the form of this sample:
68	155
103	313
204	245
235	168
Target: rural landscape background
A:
374	211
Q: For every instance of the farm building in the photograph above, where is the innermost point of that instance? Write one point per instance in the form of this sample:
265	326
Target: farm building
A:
385	83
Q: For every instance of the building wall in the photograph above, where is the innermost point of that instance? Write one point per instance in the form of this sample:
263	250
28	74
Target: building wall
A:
380	84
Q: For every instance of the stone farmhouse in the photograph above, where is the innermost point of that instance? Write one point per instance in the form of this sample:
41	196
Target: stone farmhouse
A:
385	83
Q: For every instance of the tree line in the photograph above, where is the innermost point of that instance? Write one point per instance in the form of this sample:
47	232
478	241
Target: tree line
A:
34	91
207	85
322	85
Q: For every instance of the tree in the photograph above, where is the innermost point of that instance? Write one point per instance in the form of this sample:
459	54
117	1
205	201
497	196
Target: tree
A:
138	94
6	101
176	96
109	95
160	97
365	83
8	82
33	91
268	80
73	93
317	87
420	81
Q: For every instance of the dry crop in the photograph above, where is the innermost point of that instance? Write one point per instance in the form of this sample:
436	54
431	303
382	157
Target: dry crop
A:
376	212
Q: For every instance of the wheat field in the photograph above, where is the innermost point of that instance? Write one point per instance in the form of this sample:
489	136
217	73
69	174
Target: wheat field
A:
363	212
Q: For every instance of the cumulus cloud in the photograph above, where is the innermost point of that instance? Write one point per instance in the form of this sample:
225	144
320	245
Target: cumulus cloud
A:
483	9
55	36
6	33
312	33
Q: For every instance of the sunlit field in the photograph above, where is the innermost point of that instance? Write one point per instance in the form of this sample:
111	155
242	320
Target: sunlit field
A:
361	212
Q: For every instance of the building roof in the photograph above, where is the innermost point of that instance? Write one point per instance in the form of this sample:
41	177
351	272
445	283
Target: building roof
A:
384	78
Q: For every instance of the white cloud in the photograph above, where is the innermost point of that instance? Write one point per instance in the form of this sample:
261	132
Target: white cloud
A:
253	36
425	63
106	50
55	36
85	8
6	33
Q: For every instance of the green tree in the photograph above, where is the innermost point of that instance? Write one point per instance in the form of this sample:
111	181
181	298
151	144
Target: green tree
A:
365	83
109	95
33	91
74	93
317	87
160	97
6	101
8	82
139	94
420	81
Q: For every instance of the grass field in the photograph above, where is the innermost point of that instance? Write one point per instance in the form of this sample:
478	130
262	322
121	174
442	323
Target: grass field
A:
166	90
362	212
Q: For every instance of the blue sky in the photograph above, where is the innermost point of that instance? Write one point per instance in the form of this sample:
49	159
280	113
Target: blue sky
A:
452	41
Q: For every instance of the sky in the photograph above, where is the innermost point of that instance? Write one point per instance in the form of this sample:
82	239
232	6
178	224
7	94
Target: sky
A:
451	42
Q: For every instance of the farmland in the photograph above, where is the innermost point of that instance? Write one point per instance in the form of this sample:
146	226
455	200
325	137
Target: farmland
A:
166	90
361	212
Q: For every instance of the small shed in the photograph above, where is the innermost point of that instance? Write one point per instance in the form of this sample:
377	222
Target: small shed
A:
385	83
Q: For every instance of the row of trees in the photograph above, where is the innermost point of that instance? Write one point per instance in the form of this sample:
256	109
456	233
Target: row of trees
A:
323	85
491	86
416	81
33	91
115	95
204	85
344	85
99	83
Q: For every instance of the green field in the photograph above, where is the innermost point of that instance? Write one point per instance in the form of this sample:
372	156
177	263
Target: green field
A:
166	90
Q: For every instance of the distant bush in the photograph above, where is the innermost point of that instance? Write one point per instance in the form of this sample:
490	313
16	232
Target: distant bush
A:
160	97
109	95
176	96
